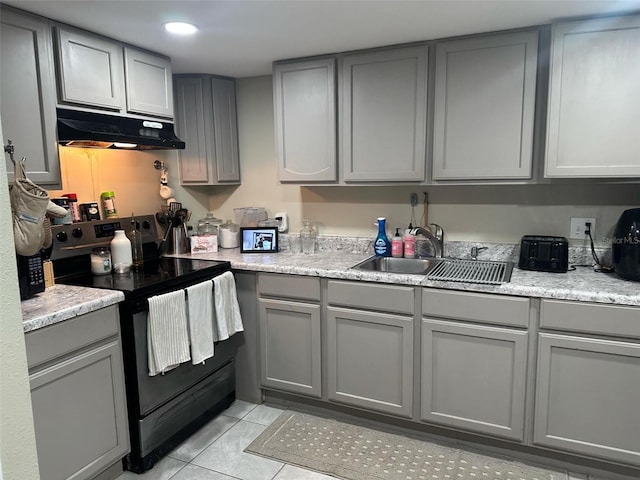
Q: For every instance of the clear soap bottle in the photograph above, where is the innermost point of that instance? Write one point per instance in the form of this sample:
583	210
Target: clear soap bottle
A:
136	245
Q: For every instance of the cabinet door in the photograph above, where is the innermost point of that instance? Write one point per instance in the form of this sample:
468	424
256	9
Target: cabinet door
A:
473	377
148	83
91	70
79	414
290	346
594	100
370	360
305	120
484	107
587	397
206	121
384	105
27	90
193	161
225	129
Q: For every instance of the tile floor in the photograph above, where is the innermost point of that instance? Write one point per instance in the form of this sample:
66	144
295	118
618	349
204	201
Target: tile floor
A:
215	452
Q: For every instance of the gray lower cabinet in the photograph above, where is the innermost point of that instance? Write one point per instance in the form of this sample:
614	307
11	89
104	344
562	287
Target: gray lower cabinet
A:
383	115
370	346
304	94
290	333
27	90
473	377
206	120
485	89
78	395
588	387
474	361
594	102
370	360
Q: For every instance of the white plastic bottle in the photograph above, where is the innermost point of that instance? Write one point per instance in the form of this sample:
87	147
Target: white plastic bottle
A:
121	257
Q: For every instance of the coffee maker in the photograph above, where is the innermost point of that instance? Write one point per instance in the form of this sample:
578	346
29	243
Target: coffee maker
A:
626	245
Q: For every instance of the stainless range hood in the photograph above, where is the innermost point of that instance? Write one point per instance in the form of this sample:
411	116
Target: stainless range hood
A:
101	130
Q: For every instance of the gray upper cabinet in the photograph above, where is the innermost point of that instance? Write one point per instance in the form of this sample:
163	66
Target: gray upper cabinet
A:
27	90
98	73
594	100
206	121
383	115
78	395
484	105
305	120
587	397
148	83
90	70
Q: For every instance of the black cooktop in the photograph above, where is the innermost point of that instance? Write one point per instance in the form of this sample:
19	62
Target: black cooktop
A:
157	276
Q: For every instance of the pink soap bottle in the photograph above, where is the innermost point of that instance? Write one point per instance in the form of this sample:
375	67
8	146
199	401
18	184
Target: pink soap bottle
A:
409	246
396	245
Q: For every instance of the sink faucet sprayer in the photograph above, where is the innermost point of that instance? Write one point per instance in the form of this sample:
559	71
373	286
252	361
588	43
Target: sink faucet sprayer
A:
475	250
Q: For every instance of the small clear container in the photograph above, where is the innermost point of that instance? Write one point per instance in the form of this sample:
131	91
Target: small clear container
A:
100	261
308	236
209	224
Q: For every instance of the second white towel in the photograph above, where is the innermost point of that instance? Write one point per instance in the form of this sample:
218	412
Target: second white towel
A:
200	307
167	337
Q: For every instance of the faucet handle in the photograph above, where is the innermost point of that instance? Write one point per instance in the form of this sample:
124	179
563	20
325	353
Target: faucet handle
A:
437	230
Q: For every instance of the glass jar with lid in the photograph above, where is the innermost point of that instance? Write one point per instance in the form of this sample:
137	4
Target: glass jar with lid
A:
209	224
100	261
308	235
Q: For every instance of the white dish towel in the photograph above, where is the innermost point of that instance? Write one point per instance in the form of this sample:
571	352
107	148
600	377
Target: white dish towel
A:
200	310
167	337
228	319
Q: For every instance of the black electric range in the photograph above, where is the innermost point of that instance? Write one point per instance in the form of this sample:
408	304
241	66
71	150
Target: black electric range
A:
163	409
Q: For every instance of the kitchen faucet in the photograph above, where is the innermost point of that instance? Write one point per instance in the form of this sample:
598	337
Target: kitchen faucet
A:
435	236
475	250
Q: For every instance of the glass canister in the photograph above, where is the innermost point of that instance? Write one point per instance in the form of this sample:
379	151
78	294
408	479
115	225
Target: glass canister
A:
308	236
100	261
209	224
229	235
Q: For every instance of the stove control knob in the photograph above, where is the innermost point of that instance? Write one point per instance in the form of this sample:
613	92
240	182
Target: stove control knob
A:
61	236
146	224
76	233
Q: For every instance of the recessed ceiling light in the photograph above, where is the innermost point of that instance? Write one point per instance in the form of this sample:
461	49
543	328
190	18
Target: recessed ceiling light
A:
180	28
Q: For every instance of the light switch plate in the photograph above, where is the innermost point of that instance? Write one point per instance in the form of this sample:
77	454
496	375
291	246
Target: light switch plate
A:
578	227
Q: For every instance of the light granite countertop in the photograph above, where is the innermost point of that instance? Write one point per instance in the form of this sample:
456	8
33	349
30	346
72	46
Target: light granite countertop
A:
334	258
581	284
62	302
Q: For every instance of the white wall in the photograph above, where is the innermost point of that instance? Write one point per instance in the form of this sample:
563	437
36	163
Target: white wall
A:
499	214
18	457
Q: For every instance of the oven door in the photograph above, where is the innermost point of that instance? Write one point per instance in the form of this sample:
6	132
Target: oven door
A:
153	392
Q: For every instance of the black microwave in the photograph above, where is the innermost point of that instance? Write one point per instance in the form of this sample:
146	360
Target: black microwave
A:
30	275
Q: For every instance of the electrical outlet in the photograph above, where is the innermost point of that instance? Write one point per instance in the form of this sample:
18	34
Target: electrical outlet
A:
414	199
579	226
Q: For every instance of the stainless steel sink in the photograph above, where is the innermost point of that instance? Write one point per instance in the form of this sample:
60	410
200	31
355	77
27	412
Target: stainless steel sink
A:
444	269
417	266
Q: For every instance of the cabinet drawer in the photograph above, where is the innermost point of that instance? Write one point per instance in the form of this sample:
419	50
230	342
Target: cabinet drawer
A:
590	318
65	337
371	296
288	286
476	307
